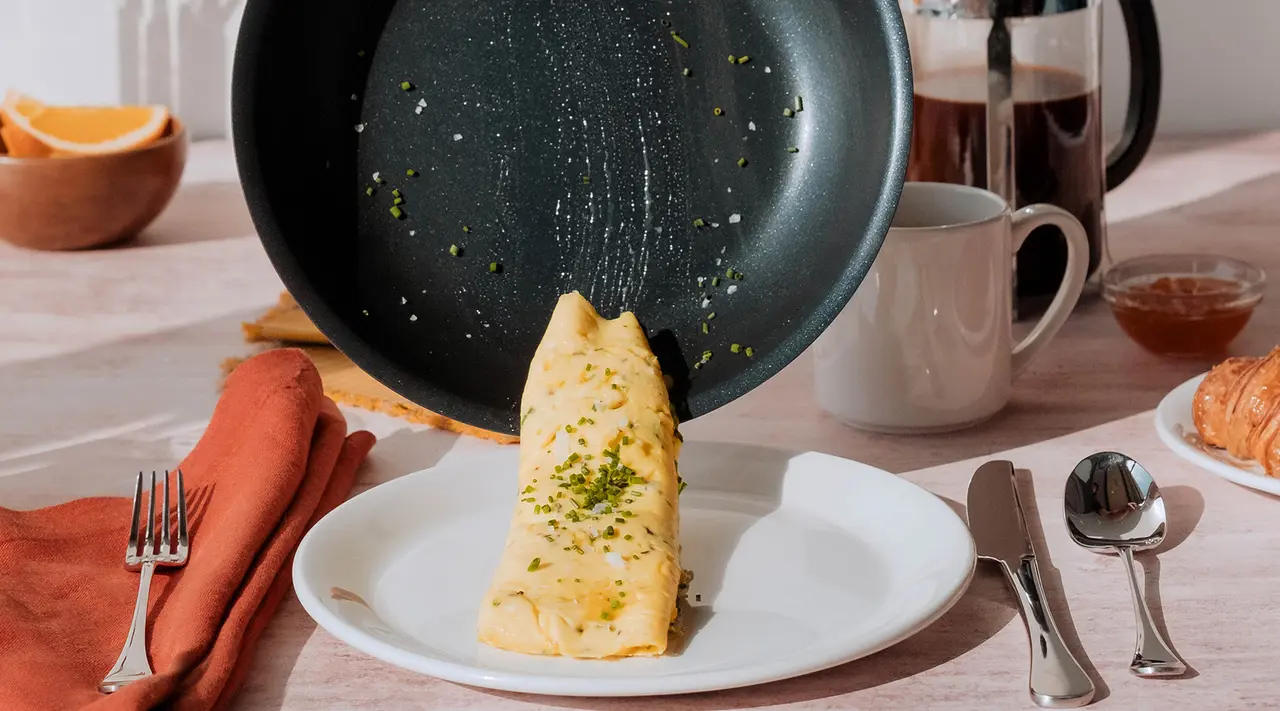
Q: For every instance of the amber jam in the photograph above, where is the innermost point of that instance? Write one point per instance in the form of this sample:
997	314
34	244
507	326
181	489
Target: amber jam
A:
1182	315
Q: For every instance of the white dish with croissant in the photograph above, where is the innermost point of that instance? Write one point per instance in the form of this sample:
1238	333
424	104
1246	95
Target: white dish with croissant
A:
1227	421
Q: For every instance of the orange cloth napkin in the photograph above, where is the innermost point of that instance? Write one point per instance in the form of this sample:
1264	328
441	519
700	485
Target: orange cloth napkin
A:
275	458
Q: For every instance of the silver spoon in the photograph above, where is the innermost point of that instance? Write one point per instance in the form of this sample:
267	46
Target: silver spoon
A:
1112	503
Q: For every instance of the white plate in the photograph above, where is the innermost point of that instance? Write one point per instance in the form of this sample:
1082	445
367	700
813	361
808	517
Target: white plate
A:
1177	430
802	562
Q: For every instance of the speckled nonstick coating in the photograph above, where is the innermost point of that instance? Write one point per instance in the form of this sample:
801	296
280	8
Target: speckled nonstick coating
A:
523	99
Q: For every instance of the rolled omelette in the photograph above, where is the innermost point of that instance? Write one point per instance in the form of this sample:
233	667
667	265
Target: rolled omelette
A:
591	567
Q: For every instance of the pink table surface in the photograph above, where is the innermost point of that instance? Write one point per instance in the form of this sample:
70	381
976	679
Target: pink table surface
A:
108	361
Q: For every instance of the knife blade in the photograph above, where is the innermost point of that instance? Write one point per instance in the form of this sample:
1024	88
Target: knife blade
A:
998	524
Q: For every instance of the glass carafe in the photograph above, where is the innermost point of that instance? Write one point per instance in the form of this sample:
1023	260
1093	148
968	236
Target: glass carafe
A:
1008	98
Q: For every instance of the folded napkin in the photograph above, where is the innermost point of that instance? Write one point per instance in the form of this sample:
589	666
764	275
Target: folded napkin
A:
275	457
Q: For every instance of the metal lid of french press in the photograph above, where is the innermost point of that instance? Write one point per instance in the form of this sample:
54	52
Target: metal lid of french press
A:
986	9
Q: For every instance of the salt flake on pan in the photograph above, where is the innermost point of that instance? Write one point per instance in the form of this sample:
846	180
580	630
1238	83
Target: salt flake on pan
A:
403	301
353	97
376	175
735	218
422	103
732	288
751	125
615	559
715	224
413	317
412	233
417	109
768	70
359	127
706	303
457	136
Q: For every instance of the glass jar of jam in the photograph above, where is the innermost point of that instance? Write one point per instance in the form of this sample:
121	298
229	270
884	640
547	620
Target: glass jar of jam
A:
1183	305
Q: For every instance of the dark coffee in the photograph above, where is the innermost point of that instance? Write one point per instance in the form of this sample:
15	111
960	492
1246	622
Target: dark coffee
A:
1057	155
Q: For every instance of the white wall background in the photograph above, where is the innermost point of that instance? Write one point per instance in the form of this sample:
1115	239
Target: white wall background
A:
1220	58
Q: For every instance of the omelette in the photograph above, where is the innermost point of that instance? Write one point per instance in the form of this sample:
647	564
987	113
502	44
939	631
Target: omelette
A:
591	566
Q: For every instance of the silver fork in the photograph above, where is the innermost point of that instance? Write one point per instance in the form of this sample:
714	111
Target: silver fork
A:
132	664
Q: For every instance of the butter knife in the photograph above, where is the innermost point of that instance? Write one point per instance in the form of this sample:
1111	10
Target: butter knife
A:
999	529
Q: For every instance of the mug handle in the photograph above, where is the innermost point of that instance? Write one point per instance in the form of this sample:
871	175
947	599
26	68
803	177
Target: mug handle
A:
1024	222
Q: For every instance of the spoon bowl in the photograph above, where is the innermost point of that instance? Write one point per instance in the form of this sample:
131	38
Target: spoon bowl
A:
1112	504
1112	501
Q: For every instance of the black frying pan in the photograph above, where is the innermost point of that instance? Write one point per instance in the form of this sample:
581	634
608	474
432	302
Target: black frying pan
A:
562	142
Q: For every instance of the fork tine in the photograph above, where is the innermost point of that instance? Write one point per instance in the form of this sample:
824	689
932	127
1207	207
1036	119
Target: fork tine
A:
149	546
133	527
182	517
164	516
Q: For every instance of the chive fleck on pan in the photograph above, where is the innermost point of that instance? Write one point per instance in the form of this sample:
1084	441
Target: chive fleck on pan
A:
567	143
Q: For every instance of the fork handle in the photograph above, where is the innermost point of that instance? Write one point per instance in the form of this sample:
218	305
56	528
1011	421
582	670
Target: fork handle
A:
132	664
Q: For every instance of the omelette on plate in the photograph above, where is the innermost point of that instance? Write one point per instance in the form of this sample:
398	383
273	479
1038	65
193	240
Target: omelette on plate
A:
591	567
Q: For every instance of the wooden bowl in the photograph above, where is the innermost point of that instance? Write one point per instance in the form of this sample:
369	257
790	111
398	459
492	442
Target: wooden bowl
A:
77	202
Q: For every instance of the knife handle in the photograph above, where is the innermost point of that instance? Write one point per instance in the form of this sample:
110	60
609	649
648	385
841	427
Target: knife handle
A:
1057	679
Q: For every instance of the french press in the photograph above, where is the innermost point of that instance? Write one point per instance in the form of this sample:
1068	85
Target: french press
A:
1008	98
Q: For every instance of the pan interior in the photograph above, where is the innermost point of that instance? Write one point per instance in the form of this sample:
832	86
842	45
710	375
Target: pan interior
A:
540	147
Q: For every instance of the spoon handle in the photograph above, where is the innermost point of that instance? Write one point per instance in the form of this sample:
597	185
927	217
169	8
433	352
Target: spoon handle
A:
1152	656
1057	679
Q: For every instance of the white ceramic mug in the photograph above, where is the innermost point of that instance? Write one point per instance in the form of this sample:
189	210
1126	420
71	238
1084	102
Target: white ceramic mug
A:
926	343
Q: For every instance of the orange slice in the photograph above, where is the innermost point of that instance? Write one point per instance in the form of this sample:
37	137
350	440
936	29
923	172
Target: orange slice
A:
19	143
19	103
85	129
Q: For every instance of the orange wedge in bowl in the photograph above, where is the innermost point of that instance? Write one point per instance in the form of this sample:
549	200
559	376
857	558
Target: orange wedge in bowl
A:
18	143
81	130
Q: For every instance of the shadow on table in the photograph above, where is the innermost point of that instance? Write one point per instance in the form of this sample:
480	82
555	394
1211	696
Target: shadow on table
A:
104	413
1184	506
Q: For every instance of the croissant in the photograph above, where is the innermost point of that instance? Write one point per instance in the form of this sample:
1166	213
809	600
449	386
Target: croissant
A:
1237	408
